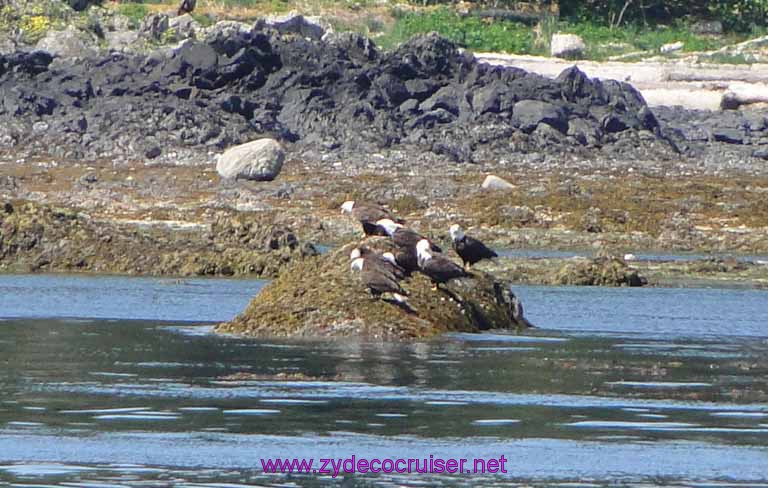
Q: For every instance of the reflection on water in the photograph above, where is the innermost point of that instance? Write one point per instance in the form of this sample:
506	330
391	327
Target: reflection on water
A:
102	402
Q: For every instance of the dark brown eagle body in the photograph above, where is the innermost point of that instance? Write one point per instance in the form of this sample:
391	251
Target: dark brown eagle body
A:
379	259
437	267
378	279
368	214
469	249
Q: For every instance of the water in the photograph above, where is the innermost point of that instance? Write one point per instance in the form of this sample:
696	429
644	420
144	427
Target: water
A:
118	382
640	256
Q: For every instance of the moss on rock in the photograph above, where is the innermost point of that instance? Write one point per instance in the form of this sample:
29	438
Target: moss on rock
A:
601	271
322	297
41	238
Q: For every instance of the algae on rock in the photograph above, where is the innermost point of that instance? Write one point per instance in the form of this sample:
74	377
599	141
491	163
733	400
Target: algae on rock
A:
601	271
41	238
320	296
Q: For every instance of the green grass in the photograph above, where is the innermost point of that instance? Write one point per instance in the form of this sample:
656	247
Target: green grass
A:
134	11
470	32
639	39
514	37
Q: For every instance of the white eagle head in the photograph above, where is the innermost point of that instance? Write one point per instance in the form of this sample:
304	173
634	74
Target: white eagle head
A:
356	253
389	225
347	206
357	264
422	250
388	256
456	232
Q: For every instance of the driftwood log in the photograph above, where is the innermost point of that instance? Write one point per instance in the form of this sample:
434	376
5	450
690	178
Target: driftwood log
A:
740	94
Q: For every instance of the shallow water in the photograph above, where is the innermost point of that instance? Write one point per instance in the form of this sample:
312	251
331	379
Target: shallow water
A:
660	387
639	256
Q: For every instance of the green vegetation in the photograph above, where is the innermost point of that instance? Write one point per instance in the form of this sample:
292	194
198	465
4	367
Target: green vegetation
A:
735	15
134	11
471	32
604	41
516	37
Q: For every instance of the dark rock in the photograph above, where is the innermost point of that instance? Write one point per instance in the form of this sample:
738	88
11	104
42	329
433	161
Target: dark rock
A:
528	114
730	136
446	98
585	131
88	179
241	84
760	153
153	152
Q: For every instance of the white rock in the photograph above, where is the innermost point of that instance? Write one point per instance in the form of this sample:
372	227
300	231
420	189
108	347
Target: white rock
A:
66	43
295	23
630	257
493	182
225	29
671	47
259	160
567	46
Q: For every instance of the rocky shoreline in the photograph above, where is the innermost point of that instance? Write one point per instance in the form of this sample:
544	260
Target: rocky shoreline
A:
113	147
38	238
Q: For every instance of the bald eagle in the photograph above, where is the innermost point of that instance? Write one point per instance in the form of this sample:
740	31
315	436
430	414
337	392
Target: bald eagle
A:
367	214
469	249
405	241
378	280
385	259
438	268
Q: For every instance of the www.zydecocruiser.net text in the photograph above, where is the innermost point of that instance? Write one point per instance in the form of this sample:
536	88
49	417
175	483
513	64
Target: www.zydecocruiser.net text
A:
353	464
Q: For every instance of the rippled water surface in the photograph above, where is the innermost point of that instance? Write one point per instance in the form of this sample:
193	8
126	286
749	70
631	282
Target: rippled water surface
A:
110	381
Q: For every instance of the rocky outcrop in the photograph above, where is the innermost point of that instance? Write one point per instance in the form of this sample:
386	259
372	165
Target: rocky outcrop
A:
41	238
337	95
601	271
695	131
322	297
259	160
68	42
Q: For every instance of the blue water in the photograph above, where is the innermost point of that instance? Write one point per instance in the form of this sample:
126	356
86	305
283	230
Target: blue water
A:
112	381
114	297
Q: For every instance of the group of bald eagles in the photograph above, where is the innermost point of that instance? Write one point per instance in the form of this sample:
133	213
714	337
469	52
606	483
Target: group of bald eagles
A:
382	272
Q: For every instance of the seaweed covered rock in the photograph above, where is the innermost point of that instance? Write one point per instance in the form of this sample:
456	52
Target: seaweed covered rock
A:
321	296
41	238
601	271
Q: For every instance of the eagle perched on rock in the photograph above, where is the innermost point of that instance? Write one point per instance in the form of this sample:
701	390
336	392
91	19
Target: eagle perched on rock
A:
469	249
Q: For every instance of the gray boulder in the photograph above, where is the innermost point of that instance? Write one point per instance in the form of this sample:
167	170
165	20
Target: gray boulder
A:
528	114
568	46
707	27
292	23
184	26
153	26
493	182
259	160
7	45
67	43
122	40
227	36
